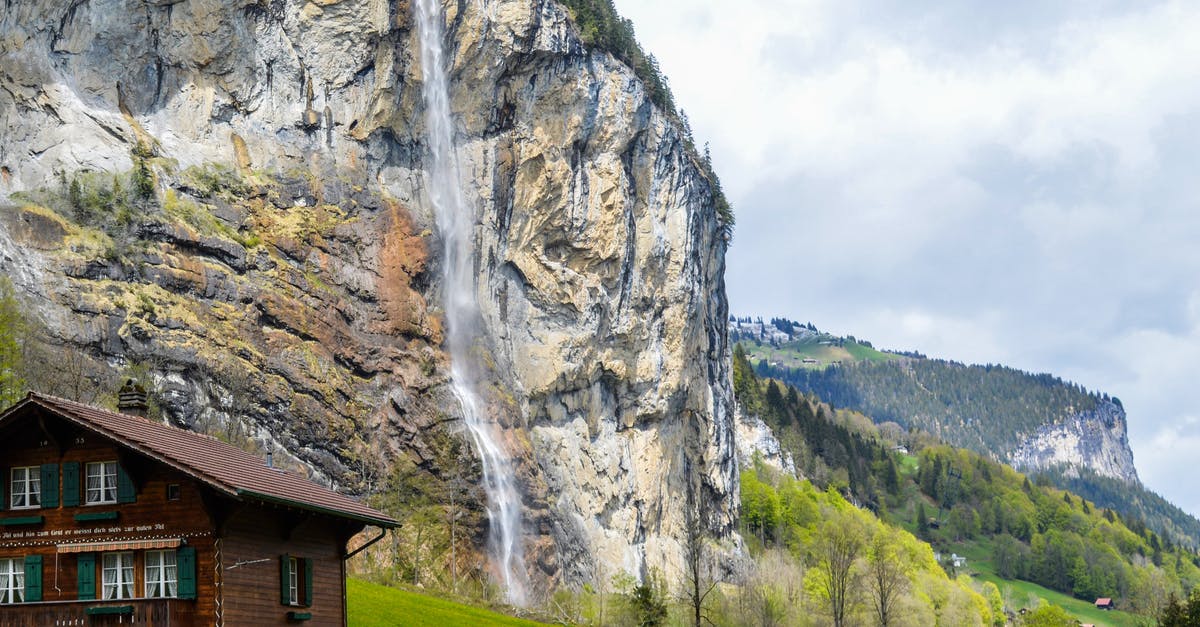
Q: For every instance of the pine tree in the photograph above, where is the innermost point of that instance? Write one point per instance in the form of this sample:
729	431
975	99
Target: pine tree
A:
922	522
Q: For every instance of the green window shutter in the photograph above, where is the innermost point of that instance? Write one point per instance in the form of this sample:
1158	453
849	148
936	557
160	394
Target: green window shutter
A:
125	490
185	568
70	484
308	576
33	577
86	566
285	575
5	477
49	485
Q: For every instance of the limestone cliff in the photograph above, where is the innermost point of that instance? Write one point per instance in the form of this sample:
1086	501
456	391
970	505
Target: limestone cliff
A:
1095	439
273	267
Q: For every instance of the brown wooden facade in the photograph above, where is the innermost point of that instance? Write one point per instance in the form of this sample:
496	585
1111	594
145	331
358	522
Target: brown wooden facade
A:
234	552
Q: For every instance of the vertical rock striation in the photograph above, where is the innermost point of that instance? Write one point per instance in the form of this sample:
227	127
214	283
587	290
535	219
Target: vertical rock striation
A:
1094	439
599	252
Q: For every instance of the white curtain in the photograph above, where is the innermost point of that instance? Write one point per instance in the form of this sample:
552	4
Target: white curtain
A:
127	575
110	576
20	487
4	583
169	572
160	574
153	575
93	483
110	482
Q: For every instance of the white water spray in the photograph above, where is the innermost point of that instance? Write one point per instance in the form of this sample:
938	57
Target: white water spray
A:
455	222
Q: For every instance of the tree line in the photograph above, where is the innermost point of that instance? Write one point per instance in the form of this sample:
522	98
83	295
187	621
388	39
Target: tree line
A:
955	497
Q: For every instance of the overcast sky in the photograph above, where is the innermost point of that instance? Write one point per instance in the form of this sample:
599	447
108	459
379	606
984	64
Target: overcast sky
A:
1008	182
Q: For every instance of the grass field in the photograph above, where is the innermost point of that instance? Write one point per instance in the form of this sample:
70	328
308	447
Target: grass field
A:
373	605
1020	593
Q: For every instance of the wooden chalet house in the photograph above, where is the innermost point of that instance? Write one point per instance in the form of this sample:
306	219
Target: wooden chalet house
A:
109	518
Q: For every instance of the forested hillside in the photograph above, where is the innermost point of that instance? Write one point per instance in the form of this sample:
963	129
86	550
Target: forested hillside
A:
990	409
963	502
987	408
1160	514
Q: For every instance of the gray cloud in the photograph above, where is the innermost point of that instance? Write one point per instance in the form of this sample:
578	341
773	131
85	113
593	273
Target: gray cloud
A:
990	182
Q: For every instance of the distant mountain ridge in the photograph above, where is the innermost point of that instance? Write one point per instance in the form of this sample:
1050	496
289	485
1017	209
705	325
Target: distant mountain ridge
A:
1038	423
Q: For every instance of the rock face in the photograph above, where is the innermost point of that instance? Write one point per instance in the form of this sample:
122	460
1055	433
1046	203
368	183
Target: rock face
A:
1093	439
281	276
755	438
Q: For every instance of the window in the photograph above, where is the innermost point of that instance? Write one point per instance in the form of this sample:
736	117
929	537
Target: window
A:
12	581
26	487
293	582
172	491
118	576
161	576
101	482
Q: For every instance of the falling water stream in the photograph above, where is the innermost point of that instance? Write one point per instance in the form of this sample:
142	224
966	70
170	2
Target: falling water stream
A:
455	222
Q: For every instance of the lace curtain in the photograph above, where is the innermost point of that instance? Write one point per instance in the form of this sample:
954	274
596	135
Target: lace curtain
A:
93	484
118	576
160	574
12	581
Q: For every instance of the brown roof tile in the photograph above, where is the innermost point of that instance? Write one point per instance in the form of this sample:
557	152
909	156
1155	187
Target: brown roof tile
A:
225	468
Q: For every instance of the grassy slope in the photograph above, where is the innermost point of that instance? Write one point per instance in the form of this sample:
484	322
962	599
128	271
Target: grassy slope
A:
792	354
979	565
979	562
373	605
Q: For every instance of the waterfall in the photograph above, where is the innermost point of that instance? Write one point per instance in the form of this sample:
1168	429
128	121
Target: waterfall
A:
455	221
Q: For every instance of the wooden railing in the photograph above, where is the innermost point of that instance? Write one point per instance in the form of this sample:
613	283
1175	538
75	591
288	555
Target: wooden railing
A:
149	612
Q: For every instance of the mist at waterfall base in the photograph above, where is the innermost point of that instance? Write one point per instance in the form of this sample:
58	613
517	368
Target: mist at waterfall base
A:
455	221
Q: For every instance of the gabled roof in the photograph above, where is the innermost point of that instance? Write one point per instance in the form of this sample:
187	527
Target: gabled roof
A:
224	468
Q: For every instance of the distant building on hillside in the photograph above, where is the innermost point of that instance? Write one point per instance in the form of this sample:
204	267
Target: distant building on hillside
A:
109	518
1104	603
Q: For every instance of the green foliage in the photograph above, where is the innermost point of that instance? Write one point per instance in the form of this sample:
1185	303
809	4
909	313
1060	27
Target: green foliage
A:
817	442
989	409
1049	616
1132	501
600	26
13	332
1034	531
1181	613
648	601
143	177
1040	533
856	562
215	180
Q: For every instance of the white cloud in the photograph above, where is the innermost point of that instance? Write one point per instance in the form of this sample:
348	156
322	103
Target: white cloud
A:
1003	182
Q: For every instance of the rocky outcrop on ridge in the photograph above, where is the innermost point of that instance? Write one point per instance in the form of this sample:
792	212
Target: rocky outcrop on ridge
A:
1095	439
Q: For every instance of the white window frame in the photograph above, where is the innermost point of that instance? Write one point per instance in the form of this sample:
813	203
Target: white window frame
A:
162	575
28	488
105	492
120	585
12	581
293	581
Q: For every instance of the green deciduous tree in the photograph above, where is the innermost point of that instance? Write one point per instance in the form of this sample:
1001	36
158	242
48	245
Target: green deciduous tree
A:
839	543
13	332
886	576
